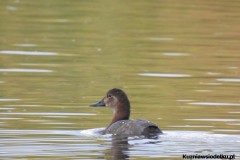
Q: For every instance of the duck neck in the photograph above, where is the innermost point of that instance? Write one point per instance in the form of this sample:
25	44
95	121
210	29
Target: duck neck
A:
122	112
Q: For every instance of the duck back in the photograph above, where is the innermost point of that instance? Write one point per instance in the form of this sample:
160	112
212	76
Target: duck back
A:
135	127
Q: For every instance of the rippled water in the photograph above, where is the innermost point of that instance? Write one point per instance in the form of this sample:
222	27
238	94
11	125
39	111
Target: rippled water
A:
177	61
88	144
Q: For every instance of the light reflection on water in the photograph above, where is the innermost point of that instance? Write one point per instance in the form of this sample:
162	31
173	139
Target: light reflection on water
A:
161	38
85	144
229	79
25	70
175	54
212	120
178	62
166	75
49	114
32	53
26	45
214	104
8	99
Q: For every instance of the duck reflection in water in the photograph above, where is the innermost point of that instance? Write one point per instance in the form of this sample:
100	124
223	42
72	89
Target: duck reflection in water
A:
120	125
119	149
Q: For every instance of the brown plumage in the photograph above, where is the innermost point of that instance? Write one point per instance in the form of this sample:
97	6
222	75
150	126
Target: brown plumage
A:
120	125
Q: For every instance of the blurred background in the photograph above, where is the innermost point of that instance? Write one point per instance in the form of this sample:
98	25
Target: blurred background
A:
178	61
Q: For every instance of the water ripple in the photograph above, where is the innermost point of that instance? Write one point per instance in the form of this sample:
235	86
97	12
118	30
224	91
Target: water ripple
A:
161	38
229	79
164	75
26	45
213	119
48	114
175	54
25	70
214	104
33	53
8	99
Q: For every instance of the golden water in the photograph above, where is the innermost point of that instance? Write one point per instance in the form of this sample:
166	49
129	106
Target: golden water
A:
178	61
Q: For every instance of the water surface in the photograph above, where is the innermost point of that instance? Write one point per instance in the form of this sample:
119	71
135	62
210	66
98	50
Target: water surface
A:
177	61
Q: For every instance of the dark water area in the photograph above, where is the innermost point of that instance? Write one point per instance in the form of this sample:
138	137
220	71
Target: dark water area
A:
178	61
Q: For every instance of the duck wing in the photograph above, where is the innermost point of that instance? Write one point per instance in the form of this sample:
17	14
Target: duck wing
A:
136	127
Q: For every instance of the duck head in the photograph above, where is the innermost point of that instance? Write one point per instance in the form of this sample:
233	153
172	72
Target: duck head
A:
117	100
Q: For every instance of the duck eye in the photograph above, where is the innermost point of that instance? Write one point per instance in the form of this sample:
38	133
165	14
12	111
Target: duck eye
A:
109	95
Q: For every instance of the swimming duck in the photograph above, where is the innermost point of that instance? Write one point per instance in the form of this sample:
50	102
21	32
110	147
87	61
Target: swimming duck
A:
120	125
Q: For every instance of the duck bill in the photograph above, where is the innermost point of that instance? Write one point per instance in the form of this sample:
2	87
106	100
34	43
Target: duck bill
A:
98	104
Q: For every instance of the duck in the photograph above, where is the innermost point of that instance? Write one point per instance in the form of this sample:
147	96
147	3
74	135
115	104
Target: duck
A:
120	125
